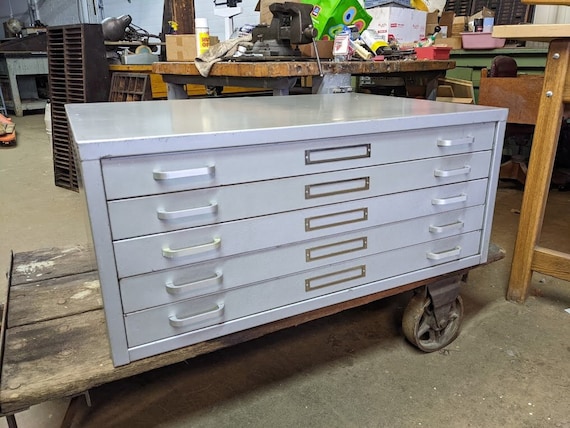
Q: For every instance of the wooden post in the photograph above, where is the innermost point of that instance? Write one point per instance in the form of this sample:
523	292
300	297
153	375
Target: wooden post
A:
180	11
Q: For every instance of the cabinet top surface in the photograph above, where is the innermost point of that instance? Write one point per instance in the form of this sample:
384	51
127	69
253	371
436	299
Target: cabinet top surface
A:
111	129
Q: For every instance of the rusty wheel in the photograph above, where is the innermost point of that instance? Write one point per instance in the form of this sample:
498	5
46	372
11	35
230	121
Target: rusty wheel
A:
420	326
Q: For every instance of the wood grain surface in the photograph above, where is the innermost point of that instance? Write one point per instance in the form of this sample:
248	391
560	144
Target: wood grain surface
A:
51	357
276	69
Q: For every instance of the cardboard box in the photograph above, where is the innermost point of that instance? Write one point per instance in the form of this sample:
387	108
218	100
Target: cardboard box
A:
446	20
455	91
265	16
432	18
459	25
325	48
182	47
454	42
406	25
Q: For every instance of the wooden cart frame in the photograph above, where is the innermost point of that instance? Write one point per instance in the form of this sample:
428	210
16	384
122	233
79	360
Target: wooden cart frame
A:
54	337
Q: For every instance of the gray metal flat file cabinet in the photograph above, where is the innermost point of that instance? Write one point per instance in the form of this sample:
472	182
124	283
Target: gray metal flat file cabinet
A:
212	216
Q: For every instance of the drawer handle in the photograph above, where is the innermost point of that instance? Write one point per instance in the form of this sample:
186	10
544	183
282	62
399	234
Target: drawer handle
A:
455	142
336	219
336	249
215	312
444	255
452	172
332	188
449	201
184	173
335	278
337	154
192	212
183	252
446	228
203	283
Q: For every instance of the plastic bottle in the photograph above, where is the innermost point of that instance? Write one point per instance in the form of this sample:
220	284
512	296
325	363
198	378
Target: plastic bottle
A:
202	36
47	120
374	41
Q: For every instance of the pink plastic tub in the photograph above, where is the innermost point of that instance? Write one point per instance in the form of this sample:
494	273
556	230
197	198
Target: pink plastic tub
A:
481	41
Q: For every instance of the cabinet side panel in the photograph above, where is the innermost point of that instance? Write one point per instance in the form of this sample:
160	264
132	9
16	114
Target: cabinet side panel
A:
101	232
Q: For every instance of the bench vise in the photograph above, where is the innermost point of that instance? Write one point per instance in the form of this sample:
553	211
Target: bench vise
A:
291	25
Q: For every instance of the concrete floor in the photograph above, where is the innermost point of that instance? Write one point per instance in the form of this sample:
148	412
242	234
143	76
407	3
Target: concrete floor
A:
510	366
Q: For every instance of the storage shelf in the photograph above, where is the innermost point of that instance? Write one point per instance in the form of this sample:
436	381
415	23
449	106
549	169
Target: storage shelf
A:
78	74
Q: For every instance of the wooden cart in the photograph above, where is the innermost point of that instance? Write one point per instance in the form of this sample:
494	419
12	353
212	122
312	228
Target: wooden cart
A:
54	337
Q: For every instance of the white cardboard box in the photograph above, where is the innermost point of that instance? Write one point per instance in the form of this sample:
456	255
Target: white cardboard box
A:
406	25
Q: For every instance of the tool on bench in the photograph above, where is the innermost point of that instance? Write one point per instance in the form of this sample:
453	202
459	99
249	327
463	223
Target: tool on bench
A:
291	25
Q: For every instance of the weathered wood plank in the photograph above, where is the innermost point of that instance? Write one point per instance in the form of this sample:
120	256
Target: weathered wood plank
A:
535	32
519	94
547	2
4	315
47	263
65	356
551	262
278	69
54	298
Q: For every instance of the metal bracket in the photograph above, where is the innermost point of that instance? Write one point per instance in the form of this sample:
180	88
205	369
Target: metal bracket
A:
442	294
332	83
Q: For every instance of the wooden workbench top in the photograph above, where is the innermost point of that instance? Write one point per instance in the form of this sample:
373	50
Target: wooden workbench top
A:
301	68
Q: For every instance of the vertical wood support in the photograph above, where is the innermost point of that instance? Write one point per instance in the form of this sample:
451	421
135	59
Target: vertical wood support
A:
544	144
181	11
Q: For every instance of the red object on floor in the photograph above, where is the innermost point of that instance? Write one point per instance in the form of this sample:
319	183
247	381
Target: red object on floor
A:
7	138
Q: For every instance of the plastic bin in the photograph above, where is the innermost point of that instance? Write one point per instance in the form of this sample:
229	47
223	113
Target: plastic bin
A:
433	52
481	41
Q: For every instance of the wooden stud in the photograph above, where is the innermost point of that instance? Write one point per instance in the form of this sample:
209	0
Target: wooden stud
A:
545	142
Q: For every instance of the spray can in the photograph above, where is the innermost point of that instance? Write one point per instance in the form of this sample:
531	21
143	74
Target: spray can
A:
374	41
202	36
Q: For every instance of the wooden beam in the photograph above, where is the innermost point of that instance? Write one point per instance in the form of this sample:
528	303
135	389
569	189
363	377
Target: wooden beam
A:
548	2
180	11
552	263
544	144
534	32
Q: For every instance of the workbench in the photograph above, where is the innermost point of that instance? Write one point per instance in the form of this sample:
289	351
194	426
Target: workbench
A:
281	76
18	74
54	339
158	87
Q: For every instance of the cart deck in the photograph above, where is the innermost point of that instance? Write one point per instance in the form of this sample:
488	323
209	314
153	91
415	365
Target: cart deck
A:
54	337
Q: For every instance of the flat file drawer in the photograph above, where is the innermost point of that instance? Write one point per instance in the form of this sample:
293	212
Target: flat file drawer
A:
149	175
180	210
169	320
162	251
158	288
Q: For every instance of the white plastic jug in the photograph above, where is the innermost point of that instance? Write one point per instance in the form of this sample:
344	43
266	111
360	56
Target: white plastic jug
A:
47	120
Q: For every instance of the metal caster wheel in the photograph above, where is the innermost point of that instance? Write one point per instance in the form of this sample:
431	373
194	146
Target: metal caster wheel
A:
423	330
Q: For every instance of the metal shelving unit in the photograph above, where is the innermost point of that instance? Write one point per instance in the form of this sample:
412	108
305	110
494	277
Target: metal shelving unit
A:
78	73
